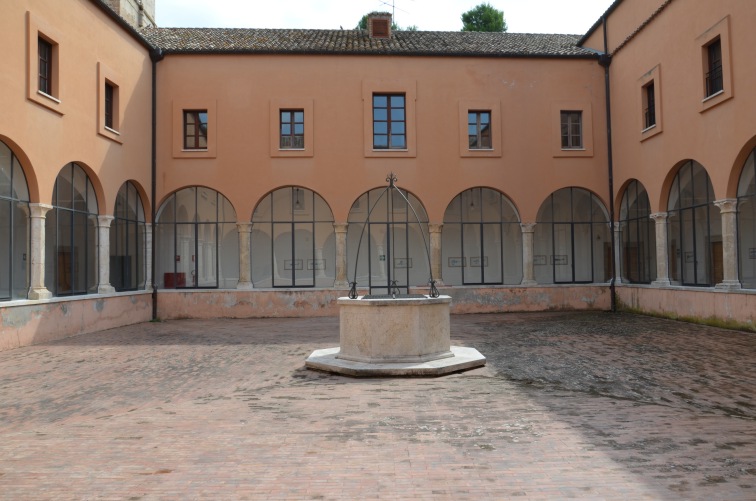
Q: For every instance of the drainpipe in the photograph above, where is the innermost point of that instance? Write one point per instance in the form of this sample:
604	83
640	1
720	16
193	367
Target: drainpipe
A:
156	55
605	60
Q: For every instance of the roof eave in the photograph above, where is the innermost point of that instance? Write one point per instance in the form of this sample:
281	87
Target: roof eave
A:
598	22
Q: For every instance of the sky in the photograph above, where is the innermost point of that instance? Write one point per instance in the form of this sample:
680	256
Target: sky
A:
522	16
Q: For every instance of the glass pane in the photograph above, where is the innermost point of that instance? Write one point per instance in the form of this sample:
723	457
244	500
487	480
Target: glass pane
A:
299	129
492	257
472	118
747	184
286	129
584	254
490	201
304	253
228	265
512	248
165	256
283	203
380	101
397	101
91	258
51	237
322	211
324	264
263	210
299	116
542	250
285	116
185	257
747	241
207	205
5	249
397	128
207	245
485	118
262	257
81	248
79	189
380	114
6	166
20	245
473	253
397	141
561	259
378	253
451	249
380	141
186	205
284	263
397	114
562	205
227	213
581	205
701	184
685	176
166	213
64	188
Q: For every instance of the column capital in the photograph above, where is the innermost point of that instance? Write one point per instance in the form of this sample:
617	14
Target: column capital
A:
39	210
528	227
340	227
727	205
104	221
658	216
244	227
435	227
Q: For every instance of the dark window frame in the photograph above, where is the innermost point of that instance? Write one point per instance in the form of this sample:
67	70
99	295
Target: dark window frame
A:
571	139
482	139
291	140
391	123
45	72
649	112
714	81
118	267
110	91
192	141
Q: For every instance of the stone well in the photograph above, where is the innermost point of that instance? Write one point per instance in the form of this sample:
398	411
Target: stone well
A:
395	336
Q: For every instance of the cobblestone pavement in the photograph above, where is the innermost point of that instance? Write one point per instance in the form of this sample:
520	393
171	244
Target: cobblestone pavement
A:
571	405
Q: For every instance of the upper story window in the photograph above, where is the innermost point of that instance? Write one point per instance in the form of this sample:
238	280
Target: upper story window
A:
714	77
109	99
479	130
292	130
649	110
45	51
572	129
195	129
389	122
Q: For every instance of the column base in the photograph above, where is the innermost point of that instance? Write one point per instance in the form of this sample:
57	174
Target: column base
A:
341	284
244	286
41	293
664	282
528	282
728	285
105	289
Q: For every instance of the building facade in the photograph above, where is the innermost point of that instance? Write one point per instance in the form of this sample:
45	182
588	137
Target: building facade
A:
172	173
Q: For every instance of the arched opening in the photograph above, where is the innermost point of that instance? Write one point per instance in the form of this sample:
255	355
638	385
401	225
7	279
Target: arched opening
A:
481	240
571	240
71	235
127	252
197	241
390	239
292	241
14	227
638	235
694	231
747	223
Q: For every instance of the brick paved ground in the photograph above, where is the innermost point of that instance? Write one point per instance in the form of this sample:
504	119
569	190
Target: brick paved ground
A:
570	405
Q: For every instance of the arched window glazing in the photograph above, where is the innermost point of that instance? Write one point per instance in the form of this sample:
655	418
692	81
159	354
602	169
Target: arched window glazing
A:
71	235
127	265
571	240
197	242
481	240
14	227
694	229
638	235
293	241
747	223
393	250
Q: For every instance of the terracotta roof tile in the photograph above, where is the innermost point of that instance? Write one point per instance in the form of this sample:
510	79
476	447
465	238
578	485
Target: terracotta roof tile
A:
411	43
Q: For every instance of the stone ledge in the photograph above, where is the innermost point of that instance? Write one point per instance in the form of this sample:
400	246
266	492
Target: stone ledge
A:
463	359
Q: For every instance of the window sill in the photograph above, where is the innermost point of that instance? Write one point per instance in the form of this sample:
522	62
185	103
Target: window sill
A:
195	150
112	131
48	96
473	150
716	94
390	150
573	149
649	128
291	149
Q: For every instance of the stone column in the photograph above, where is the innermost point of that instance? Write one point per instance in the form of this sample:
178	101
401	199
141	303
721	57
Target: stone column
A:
341	256
728	209
37	289
245	257
617	252
147	240
662	259
434	230
528	271
103	255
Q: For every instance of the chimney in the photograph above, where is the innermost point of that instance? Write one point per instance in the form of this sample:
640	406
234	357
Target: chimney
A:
379	25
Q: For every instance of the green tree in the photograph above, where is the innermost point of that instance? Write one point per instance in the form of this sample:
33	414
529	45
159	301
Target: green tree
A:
484	17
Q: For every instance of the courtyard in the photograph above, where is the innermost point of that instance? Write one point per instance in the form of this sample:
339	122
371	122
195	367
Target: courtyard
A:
584	405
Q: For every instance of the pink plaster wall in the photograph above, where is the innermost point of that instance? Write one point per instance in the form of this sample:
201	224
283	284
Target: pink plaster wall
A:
40	322
692	303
